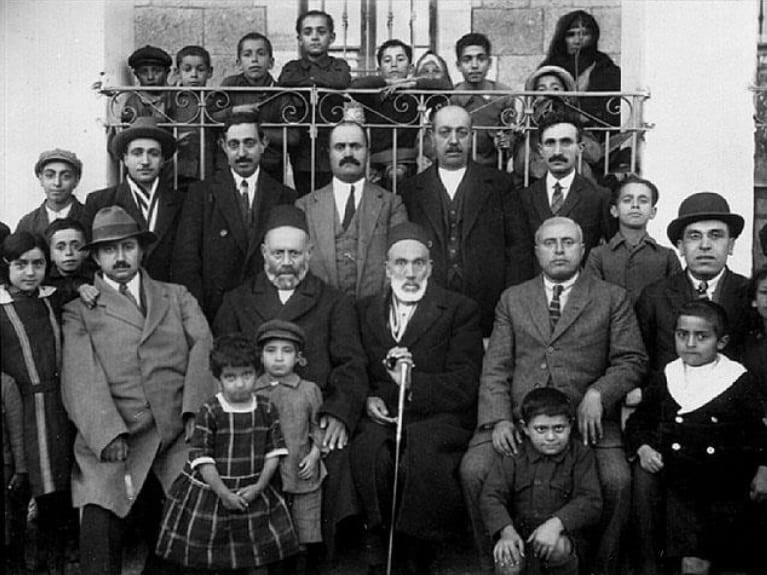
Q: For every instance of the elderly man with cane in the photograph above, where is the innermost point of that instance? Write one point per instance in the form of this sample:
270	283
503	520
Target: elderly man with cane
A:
418	327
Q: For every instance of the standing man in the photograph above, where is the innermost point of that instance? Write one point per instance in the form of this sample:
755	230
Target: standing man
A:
579	334
222	223
416	321
143	147
563	192
134	375
59	172
471	213
350	218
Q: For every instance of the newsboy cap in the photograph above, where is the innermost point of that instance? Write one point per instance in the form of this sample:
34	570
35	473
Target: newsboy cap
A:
704	206
144	127
149	55
114	224
59	155
280	329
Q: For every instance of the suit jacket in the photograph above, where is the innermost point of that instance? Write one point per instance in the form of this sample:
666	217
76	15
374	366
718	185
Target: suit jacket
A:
496	244
36	221
587	204
446	342
596	343
379	210
659	304
158	256
216	249
126	374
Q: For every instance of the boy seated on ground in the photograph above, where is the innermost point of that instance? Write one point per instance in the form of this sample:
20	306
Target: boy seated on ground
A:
546	528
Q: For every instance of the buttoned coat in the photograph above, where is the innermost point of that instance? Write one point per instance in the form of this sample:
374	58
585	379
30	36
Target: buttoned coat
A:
36	221
126	374
157	256
216	249
596	343
497	249
659	304
378	211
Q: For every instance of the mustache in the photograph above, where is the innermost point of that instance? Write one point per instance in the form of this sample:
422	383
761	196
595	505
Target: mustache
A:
349	160
121	265
286	270
557	158
454	148
243	159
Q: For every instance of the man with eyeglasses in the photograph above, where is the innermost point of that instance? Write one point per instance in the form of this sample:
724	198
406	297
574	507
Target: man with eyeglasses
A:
222	224
436	331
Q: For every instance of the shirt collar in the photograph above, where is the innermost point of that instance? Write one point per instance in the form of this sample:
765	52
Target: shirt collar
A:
134	285
135	187
62	213
712	283
266	381
566	285
323	62
565	182
340	185
251	179
618	239
534	456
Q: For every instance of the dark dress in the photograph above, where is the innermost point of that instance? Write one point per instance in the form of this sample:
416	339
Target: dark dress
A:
197	530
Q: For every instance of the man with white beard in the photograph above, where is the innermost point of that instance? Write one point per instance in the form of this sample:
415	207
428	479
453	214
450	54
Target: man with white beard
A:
438	332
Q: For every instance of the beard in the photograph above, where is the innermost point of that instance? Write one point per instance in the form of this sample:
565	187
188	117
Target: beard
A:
408	295
286	277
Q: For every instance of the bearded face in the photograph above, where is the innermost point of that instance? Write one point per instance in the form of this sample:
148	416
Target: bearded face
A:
408	268
286	253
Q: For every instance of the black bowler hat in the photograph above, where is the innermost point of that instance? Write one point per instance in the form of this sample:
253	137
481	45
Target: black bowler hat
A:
149	55
704	206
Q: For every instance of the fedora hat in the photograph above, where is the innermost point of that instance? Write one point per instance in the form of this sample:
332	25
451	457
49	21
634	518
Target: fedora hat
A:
704	206
144	127
113	224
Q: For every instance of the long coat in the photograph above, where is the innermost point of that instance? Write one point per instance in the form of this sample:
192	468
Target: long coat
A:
659	304
128	374
379	210
36	221
496	245
446	342
216	249
157	256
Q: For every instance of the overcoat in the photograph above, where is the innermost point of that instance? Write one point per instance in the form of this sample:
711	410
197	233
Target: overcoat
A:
124	373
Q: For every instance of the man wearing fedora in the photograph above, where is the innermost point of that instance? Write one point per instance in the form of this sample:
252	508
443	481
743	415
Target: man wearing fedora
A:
135	372
143	148
59	172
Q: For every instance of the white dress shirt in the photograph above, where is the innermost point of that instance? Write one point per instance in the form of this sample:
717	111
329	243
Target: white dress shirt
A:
451	179
565	182
341	191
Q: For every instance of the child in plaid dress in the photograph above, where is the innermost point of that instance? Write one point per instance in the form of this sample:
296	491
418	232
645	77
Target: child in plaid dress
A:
222	514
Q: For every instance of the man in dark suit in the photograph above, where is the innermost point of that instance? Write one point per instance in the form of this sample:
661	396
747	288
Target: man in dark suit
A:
350	218
222	223
480	240
335	360
563	192
579	334
437	331
143	148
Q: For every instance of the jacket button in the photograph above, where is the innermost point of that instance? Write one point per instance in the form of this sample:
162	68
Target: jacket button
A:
543	366
223	233
675	446
714	419
550	349
710	450
678	419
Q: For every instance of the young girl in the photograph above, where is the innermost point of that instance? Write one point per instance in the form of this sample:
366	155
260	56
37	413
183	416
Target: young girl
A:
298	402
222	514
31	354
700	427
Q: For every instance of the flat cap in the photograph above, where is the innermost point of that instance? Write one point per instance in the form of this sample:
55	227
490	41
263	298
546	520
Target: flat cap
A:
280	329
150	55
59	155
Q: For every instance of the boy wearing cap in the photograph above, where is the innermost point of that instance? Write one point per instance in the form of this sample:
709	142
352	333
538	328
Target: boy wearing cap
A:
151	66
59	172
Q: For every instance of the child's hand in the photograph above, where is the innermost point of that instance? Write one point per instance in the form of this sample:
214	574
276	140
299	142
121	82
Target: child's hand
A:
308	466
545	537
649	459
510	549
233	501
250	492
89	294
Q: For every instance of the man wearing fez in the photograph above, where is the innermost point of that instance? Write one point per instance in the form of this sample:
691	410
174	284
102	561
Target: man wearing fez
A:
135	372
286	289
437	331
568	330
143	147
350	218
222	223
480	240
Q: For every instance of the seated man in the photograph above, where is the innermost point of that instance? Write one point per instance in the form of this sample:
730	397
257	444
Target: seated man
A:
437	332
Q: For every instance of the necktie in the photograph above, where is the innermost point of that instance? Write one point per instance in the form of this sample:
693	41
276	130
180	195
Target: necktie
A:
349	209
557	199
245	201
555	307
702	290
127	293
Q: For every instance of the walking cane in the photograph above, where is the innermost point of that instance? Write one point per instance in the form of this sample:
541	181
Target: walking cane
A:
404	381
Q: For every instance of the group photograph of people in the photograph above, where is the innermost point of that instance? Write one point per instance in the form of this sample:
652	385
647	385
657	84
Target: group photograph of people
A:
351	314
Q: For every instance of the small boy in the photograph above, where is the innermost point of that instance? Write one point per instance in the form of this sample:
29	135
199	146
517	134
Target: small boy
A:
193	66
315	30
298	403
543	528
70	271
632	259
151	66
699	428
59	172
473	59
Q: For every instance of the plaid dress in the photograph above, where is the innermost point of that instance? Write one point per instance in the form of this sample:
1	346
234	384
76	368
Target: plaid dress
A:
197	530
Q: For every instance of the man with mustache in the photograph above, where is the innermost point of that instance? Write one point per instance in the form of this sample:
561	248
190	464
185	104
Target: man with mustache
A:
480	240
286	289
350	218
134	374
222	223
437	331
562	191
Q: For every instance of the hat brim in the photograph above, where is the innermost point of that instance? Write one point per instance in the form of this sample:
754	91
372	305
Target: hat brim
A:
145	237
561	73
124	137
677	226
280	334
40	165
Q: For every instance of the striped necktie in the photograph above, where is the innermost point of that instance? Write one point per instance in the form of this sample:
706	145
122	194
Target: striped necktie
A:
247	212
557	199
555	306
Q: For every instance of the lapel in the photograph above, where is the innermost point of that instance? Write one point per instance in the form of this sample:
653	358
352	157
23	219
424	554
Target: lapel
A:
168	204
124	197
267	196
540	200
474	196
371	206
322	215
116	305
538	306
679	287
303	299
266	303
377	320
228	204
157	303
429	310
427	194
573	196
579	298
